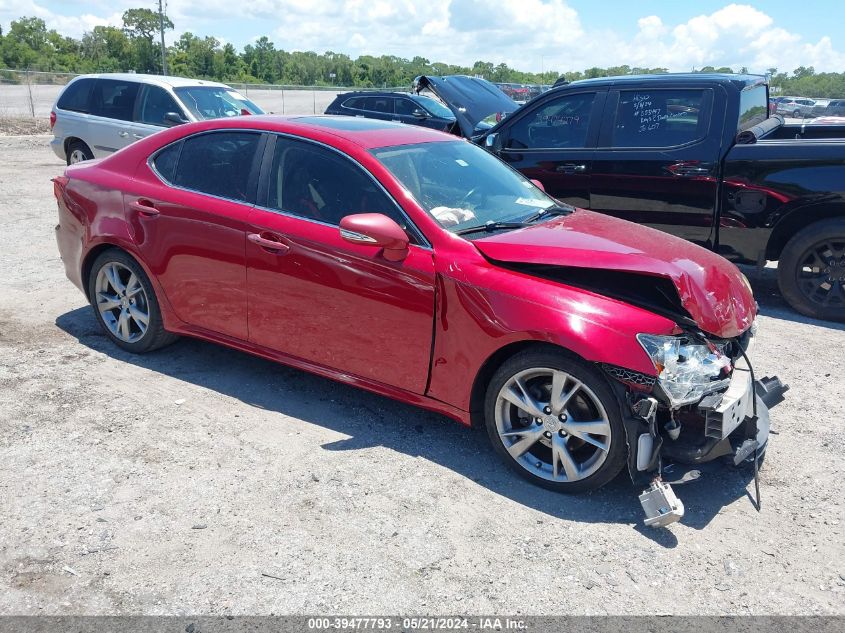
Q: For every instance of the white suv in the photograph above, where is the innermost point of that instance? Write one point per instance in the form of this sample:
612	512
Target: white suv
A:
96	115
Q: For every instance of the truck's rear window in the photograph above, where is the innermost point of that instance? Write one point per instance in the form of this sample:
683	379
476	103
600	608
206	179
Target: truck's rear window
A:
753	107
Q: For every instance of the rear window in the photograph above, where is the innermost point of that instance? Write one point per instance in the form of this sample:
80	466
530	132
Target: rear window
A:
75	96
660	118
752	107
114	99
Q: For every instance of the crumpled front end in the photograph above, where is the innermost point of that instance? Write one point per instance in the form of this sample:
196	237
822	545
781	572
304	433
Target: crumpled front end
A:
705	403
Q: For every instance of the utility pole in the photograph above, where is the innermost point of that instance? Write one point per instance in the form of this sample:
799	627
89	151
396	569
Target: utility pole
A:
161	30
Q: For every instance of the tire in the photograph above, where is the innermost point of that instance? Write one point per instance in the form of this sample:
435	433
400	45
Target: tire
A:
121	314
581	464
811	270
797	114
77	152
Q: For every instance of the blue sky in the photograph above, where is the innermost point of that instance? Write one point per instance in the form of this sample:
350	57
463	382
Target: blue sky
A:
557	34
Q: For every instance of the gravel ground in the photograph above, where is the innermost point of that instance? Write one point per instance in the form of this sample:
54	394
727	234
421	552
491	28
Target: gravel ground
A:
200	480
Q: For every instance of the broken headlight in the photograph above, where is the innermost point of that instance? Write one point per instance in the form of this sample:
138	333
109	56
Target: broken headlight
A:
686	371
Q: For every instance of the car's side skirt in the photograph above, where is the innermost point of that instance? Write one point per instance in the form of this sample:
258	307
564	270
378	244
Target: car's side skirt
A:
388	391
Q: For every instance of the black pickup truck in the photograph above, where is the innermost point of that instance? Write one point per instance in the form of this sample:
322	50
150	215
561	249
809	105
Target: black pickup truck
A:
696	155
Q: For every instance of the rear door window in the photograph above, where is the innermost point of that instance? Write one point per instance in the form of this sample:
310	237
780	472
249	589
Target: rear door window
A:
76	96
218	164
659	118
114	99
380	104
559	123
155	103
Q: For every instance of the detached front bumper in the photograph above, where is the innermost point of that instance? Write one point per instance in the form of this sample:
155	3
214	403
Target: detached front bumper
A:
733	423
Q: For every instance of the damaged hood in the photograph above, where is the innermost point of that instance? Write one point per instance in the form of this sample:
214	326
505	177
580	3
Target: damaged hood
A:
470	99
711	290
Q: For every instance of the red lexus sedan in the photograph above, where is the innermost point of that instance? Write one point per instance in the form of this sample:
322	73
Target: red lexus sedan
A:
414	264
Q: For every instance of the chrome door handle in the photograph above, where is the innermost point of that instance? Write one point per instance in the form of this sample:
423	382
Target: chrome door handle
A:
123	134
139	136
571	168
270	245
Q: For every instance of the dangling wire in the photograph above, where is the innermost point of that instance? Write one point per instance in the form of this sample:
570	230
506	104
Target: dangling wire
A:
756	432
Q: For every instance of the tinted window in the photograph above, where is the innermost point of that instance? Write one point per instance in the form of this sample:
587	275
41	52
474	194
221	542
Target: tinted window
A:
155	103
379	104
218	164
561	122
165	161
354	102
658	118
114	99
75	96
405	106
318	184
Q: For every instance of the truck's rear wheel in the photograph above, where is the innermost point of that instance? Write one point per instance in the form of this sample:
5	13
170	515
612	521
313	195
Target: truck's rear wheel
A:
811	271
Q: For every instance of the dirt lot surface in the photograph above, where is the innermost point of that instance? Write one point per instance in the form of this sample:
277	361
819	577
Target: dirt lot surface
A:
173	482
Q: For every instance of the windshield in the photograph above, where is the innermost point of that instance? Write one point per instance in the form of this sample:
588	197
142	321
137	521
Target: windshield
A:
435	107
215	102
462	185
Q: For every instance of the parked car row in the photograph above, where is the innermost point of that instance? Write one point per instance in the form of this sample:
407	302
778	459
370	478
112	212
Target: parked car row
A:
801	107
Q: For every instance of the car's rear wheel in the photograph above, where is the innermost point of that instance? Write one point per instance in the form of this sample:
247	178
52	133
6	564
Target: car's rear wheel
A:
125	304
77	151
554	419
811	270
797	114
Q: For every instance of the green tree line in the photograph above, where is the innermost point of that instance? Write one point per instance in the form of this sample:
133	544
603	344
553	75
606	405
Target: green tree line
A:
29	45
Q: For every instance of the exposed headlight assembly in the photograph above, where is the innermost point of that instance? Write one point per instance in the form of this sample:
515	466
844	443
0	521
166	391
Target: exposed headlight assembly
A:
686	371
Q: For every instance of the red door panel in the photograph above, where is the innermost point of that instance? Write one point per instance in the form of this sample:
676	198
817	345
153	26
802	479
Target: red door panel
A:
338	304
194	244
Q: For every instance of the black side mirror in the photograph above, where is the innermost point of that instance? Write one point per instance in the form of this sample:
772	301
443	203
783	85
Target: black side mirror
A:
419	113
174	118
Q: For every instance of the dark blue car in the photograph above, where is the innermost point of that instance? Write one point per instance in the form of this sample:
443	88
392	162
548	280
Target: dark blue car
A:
394	106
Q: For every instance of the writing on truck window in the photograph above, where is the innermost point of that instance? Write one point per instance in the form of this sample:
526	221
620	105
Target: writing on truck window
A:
662	118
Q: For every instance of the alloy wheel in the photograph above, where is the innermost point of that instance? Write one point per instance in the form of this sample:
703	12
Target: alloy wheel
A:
77	156
821	273
552	425
122	302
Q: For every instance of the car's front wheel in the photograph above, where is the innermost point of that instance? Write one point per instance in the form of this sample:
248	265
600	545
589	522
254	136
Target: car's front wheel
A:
811	270
555	420
125	304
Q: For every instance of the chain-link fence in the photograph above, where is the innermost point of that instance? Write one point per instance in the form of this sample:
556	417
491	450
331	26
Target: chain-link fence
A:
33	93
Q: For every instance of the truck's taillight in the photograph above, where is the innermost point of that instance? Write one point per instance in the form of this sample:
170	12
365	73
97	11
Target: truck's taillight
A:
52	119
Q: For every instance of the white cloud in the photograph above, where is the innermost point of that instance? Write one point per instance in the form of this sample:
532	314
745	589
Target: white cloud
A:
522	33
